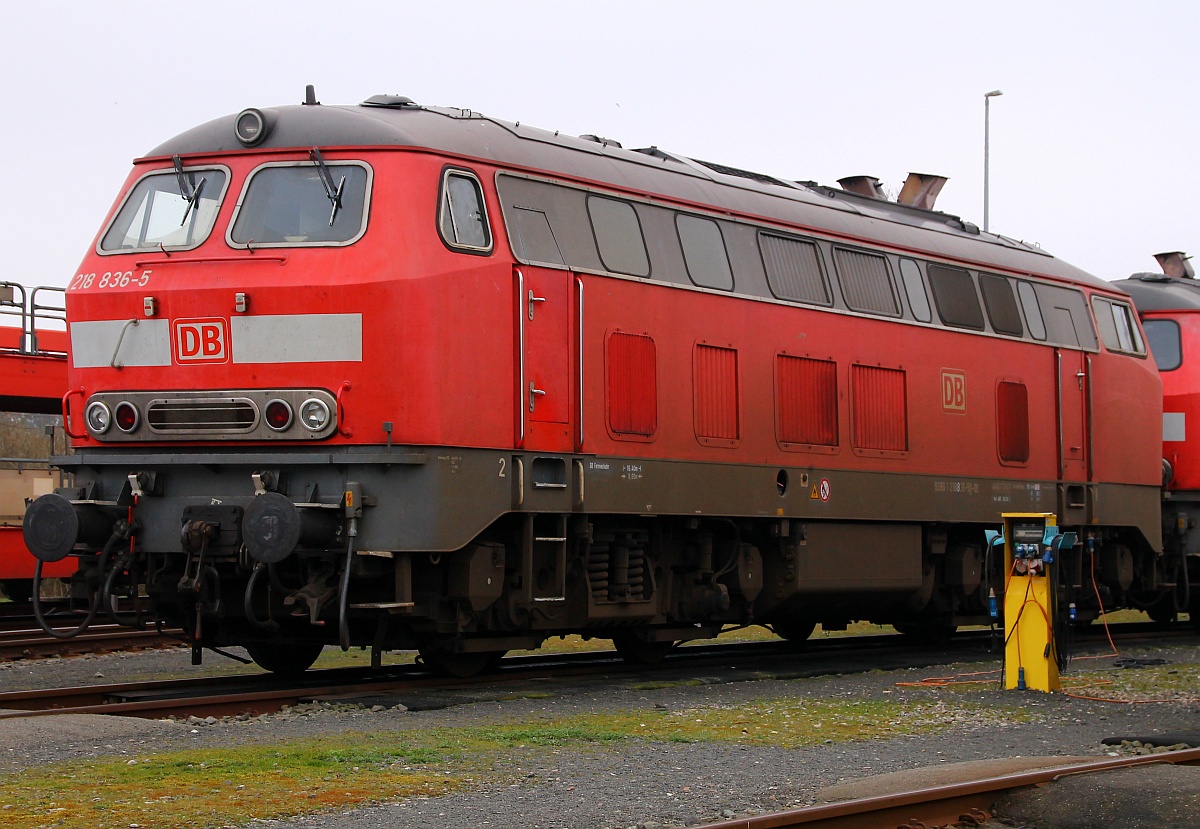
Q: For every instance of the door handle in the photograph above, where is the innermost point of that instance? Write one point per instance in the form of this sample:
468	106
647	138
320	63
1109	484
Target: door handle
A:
534	394
533	299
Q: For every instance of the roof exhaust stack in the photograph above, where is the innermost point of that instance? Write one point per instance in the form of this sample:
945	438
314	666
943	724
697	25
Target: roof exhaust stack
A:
1175	263
868	186
921	190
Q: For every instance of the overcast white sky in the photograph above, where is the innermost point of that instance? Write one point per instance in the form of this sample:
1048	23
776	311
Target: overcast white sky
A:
1093	150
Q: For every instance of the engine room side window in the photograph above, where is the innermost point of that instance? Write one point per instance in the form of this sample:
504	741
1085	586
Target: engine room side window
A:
955	297
1118	330
1165	345
533	238
167	210
704	252
1065	313
794	269
618	236
1001	304
918	300
1012	422
866	282
301	204
463	214
1033	311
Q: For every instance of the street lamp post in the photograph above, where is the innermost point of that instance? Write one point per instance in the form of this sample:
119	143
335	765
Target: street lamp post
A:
987	100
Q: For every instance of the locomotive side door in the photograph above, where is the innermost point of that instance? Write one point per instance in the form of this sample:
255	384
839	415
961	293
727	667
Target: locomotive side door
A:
543	309
1074	443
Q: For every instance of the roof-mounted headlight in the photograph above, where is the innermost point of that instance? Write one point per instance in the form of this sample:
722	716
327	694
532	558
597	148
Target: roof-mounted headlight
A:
253	126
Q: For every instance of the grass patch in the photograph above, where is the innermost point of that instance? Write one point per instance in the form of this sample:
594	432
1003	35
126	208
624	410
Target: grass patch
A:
219	787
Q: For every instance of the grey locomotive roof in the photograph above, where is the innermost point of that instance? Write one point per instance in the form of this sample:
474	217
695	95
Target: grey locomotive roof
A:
1159	292
393	121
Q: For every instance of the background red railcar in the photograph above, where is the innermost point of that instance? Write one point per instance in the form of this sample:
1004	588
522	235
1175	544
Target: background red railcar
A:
415	377
1169	305
33	379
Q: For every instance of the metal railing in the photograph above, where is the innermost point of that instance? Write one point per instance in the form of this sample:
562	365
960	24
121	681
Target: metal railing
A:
41	309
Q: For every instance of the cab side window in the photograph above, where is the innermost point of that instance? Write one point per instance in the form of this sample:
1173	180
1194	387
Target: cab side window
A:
462	218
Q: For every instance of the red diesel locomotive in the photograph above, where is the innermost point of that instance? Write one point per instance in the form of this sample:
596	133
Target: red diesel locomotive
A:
403	376
1169	305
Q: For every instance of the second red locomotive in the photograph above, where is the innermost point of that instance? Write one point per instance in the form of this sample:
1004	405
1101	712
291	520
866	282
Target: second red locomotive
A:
413	377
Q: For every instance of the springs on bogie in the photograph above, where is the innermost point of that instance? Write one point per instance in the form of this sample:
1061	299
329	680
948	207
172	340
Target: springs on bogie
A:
597	571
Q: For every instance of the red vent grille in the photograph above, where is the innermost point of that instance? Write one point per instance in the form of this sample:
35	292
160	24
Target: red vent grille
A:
806	400
716	389
880	408
632	385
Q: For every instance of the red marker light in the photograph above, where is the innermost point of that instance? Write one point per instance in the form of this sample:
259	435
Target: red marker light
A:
126	416
279	415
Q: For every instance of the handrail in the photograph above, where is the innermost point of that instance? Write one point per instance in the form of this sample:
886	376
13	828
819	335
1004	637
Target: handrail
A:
18	301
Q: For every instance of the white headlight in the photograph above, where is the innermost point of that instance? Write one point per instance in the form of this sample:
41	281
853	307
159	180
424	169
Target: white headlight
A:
98	418
314	414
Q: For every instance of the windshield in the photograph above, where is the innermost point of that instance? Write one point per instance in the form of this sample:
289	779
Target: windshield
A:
293	205
158	214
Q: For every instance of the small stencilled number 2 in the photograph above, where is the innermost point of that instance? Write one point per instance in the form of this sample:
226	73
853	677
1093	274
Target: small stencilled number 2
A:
502	461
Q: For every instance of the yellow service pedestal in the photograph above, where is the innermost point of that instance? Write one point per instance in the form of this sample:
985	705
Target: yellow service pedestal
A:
1030	657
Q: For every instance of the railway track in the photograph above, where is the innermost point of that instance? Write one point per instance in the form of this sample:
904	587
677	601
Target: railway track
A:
959	804
23	642
266	693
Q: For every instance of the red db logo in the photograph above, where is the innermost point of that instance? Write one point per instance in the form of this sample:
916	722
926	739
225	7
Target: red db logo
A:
954	391
201	341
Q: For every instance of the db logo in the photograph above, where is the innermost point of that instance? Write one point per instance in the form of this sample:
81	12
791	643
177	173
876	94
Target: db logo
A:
954	391
201	341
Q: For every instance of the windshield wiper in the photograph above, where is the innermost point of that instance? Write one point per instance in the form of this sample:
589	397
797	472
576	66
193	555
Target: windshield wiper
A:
190	194
334	194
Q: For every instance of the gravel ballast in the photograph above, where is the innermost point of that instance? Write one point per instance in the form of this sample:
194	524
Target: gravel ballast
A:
628	783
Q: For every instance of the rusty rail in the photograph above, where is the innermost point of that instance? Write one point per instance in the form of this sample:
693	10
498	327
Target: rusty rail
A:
22	642
939	805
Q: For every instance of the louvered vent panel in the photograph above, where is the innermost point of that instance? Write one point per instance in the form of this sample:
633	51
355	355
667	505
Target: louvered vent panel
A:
866	284
716	384
794	269
880	408
220	415
1012	421
806	397
632	385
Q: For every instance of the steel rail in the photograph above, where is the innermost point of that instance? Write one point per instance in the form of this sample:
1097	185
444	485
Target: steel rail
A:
235	694
939	805
25	643
211	695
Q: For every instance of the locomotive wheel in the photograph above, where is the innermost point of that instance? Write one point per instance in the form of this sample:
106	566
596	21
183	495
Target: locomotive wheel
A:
637	651
285	658
795	629
461	665
1163	612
